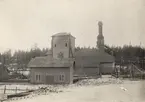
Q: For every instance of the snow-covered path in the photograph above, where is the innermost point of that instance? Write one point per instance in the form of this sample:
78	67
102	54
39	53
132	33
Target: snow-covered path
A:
126	92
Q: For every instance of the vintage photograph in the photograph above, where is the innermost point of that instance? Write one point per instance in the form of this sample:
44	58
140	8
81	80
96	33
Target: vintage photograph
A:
72	51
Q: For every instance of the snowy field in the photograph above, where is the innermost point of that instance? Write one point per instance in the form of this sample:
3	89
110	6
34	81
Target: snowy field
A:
94	90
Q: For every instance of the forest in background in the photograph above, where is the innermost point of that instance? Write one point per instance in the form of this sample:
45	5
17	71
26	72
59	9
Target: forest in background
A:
21	58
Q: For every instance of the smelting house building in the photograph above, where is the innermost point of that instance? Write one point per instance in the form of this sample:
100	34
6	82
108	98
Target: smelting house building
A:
62	62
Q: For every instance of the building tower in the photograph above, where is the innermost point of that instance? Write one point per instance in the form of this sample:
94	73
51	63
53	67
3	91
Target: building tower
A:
63	45
100	37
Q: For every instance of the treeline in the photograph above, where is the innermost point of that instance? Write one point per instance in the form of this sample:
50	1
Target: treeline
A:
124	55
127	51
21	58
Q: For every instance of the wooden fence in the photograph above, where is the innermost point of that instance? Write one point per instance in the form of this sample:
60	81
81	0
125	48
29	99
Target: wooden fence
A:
15	90
5	92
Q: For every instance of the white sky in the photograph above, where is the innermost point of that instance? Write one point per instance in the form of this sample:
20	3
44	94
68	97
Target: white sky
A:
25	22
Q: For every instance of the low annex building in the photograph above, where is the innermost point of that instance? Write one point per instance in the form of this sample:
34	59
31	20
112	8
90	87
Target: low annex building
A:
93	62
90	62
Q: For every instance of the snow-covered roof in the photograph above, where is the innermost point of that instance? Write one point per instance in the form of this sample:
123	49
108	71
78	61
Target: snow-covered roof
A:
62	34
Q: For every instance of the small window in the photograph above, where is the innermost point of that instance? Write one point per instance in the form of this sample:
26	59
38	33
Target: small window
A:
61	78
55	45
65	44
37	77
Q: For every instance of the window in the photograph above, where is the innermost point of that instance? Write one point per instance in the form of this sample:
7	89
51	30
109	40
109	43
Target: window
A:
37	77
65	44
55	45
59	78
62	77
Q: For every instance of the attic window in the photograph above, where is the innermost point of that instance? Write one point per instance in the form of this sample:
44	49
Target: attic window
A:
65	44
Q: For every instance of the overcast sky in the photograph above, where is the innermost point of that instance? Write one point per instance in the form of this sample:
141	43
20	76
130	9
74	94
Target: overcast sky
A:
25	22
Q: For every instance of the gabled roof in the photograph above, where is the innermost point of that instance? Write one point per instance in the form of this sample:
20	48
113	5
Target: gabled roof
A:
92	52
92	58
48	61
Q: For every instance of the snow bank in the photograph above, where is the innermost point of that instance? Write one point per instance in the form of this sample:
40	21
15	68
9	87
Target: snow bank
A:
99	81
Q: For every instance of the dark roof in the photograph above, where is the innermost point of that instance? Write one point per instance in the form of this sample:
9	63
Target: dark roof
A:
92	58
62	34
94	52
48	61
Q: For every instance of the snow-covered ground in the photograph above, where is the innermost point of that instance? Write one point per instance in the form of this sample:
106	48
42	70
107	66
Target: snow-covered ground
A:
100	90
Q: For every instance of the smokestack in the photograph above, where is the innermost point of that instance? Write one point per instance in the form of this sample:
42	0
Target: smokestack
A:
100	24
100	37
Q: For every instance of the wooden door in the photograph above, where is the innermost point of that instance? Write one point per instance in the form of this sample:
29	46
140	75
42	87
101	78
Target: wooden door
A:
49	79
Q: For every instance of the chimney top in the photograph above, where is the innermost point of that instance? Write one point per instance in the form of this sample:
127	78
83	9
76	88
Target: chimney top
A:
100	23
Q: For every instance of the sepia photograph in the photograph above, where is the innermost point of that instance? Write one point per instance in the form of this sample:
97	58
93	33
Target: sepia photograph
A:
72	51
